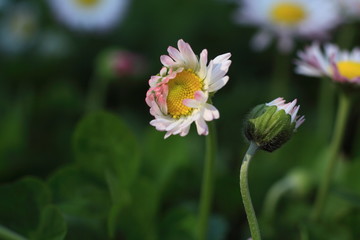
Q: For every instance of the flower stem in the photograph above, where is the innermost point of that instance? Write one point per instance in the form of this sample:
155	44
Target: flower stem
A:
325	109
244	189
347	35
280	79
207	182
7	234
334	148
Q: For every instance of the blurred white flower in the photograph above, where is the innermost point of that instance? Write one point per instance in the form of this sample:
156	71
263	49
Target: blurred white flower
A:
341	66
19	28
90	15
351	8
288	20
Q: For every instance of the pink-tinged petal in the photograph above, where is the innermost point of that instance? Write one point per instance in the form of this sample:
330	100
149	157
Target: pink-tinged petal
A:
210	112
177	127
275	102
290	106
222	58
217	69
185	131
168	134
173	126
155	110
154	80
163	71
201	127
188	54
203	62
167	61
175	54
294	113
299	122
218	84
160	123
208	78
192	103
312	62
201	97
335	72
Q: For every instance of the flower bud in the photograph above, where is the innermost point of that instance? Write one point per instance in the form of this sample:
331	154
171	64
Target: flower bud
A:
272	124
118	63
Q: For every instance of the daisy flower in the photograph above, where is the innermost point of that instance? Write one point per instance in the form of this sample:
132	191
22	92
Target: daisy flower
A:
20	28
287	19
341	66
180	94
89	14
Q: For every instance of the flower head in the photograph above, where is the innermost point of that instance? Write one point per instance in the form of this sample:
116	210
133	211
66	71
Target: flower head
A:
341	66
272	124
120	63
288	19
179	95
89	14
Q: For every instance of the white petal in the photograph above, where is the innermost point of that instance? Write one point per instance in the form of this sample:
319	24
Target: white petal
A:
210	112
203	62
218	84
201	126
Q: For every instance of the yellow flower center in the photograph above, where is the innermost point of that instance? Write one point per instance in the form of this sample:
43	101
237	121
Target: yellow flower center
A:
349	69
288	13
87	3
183	86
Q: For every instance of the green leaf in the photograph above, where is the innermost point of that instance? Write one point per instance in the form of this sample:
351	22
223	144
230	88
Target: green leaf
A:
164	157
104	145
52	225
83	199
21	204
139	218
102	142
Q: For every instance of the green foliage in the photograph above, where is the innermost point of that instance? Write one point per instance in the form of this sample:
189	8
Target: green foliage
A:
83	199
103	143
26	210
51	225
112	176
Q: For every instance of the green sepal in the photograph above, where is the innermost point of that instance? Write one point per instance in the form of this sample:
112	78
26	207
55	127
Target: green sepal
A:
268	127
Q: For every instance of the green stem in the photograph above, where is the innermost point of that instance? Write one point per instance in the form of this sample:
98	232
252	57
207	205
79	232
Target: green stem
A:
7	234
325	109
347	35
244	189
334	149
280	79
207	182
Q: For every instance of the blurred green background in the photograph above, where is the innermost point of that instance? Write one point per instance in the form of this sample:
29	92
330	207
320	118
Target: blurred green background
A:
72	168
